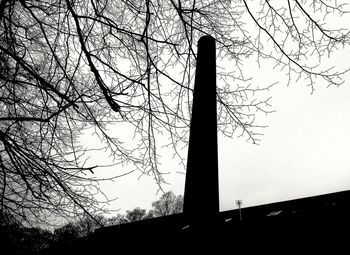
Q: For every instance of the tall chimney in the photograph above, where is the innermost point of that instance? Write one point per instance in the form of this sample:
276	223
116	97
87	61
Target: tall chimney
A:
201	198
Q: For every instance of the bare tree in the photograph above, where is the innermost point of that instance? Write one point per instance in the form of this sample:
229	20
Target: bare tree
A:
71	65
136	214
168	204
87	225
115	220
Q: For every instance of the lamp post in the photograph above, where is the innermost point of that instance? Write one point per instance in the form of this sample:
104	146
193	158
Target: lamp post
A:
239	204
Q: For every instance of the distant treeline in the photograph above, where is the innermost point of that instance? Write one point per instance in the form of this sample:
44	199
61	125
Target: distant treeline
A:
19	239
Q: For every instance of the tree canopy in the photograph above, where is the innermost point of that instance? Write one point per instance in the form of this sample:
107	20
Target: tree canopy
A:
68	66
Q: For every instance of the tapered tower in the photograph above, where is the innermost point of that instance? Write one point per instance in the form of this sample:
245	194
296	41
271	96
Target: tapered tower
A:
201	199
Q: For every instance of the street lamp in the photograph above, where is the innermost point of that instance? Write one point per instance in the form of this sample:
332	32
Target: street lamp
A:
239	204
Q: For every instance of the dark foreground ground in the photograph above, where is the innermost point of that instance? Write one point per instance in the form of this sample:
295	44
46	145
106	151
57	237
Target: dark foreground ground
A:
311	225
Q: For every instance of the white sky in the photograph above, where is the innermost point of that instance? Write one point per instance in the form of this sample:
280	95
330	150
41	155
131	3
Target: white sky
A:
304	151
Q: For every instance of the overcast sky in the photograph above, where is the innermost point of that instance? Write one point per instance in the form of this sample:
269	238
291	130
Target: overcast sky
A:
304	151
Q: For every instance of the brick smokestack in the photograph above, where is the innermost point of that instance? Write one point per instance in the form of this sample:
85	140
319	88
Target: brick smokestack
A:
201	198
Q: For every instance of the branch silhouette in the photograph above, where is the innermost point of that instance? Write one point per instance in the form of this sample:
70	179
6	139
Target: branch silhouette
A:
71	66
